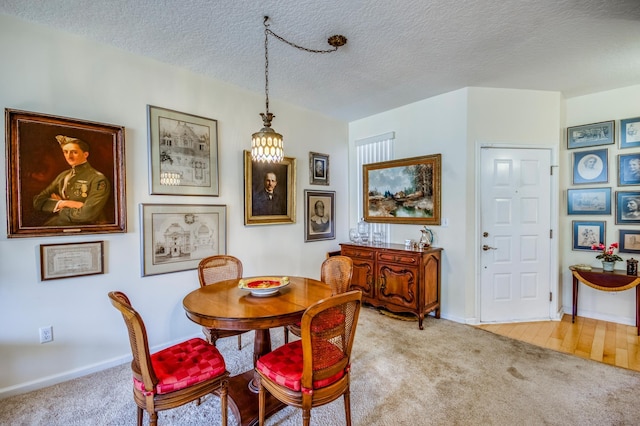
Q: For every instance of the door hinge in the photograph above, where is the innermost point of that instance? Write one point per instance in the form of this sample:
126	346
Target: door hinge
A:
551	234
550	296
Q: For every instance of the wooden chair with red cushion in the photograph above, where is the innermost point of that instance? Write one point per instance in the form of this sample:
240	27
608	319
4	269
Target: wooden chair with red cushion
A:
314	370
174	376
212	270
336	271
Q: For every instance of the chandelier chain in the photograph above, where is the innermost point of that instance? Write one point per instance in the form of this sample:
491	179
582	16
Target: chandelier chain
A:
282	39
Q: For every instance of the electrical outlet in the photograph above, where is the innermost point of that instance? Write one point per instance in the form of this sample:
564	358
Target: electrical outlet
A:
46	334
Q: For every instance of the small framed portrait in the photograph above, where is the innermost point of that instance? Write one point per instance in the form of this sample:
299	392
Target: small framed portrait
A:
71	260
65	176
176	237
627	207
183	153
630	133
318	169
586	233
319	214
594	134
269	191
629	241
591	167
629	169
589	201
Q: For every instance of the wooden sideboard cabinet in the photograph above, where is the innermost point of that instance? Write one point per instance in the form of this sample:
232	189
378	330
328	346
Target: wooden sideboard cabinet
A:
395	278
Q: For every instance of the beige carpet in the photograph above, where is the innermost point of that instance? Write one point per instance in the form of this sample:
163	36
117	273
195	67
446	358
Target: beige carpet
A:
446	374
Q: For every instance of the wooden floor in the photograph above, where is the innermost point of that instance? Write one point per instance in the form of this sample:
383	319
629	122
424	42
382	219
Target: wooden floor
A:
607	342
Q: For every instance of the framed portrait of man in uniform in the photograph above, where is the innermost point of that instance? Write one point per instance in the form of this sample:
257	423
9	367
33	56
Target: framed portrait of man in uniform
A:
269	191
65	176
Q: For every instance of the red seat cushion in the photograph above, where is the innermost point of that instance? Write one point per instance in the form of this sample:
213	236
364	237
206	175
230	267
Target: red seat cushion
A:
184	364
284	365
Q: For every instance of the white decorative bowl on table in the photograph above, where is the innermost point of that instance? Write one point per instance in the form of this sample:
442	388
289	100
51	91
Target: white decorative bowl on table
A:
263	286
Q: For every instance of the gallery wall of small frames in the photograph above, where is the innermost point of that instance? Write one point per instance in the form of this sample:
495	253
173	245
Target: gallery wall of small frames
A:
605	178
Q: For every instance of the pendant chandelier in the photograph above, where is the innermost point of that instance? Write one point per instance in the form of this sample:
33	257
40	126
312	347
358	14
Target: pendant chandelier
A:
267	145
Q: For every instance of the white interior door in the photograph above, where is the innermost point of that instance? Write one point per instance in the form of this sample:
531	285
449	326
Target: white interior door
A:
516	241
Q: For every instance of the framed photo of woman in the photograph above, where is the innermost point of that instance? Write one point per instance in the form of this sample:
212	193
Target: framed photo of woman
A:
320	215
629	169
591	167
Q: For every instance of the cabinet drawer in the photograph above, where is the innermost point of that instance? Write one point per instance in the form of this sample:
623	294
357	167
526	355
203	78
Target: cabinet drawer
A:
406	259
358	253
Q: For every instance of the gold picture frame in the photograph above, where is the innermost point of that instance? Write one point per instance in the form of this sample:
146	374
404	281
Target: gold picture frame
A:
403	191
280	208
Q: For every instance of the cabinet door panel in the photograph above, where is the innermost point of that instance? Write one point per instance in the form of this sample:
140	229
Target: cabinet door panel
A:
362	278
397	285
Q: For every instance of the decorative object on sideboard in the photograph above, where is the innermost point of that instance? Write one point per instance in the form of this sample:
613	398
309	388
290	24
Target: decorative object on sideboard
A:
426	238
363	231
607	255
632	266
267	144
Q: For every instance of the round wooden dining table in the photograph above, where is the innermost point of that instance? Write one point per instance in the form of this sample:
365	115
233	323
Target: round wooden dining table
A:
225	306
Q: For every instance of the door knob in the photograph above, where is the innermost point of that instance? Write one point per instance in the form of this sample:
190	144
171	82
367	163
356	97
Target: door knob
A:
486	247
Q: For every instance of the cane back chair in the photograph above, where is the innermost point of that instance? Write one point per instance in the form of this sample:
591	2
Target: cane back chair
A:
314	370
336	271
174	376
212	270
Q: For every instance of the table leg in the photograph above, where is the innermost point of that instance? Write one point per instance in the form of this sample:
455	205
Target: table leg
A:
575	300
243	396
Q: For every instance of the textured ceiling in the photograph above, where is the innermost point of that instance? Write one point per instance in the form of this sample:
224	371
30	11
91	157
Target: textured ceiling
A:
398	51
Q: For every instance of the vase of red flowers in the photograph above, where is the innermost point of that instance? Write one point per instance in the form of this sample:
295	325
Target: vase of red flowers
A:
607	255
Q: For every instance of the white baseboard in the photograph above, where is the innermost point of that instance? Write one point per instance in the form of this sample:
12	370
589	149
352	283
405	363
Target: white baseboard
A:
62	377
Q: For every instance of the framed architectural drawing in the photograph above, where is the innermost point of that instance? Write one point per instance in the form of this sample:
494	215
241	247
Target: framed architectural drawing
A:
183	153
71	260
403	191
269	191
65	176
175	237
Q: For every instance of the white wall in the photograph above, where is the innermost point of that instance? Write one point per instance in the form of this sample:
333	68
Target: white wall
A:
615	105
51	72
453	124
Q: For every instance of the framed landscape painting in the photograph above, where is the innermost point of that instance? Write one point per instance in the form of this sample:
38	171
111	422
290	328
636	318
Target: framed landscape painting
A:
403	191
